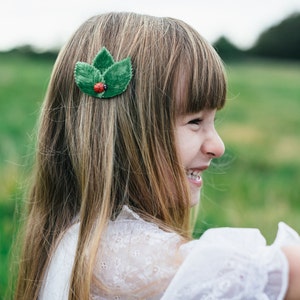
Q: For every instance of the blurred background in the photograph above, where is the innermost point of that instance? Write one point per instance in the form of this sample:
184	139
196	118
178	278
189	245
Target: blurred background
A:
255	184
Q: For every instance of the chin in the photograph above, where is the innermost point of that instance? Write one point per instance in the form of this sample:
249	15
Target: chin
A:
195	199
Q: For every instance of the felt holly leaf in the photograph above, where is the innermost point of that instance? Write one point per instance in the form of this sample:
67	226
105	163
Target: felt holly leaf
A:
103	60
117	78
86	76
105	78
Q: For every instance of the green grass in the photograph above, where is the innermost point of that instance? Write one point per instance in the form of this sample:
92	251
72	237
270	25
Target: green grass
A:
23	82
255	184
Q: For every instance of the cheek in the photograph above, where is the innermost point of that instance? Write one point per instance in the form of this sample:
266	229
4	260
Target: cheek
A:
186	145
185	153
180	143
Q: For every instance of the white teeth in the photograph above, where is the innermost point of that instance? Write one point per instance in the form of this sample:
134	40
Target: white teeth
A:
194	175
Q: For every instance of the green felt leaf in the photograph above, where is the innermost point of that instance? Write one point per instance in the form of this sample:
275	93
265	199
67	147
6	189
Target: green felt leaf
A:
117	78
115	75
86	76
103	60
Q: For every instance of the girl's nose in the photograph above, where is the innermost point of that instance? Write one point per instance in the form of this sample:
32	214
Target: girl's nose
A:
213	146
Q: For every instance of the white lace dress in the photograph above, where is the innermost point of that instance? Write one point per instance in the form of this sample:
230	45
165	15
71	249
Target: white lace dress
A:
137	260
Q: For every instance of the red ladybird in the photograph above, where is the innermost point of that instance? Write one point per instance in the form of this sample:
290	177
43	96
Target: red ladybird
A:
100	87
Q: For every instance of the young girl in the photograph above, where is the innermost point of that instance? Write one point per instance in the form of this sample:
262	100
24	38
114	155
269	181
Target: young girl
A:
126	131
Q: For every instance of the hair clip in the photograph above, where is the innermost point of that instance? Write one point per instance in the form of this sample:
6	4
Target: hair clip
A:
105	78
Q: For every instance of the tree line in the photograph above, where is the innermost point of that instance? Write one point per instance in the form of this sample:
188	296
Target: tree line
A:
281	41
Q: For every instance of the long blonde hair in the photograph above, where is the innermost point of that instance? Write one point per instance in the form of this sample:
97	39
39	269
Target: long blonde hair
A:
94	156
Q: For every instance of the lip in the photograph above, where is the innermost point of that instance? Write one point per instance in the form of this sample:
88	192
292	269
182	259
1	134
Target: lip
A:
198	182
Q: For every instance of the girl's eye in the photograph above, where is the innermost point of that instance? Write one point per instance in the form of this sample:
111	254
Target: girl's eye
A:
195	121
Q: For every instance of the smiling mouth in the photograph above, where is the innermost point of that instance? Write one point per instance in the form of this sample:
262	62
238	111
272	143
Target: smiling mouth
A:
194	175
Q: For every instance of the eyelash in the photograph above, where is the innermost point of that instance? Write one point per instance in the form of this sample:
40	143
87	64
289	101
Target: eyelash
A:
195	121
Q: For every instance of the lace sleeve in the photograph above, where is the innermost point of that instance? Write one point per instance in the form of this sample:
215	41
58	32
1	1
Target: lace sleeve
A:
136	260
234	264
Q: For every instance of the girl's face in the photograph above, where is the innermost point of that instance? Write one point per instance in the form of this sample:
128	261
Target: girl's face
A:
197	142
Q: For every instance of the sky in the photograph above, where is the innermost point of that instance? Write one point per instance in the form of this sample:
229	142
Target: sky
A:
49	24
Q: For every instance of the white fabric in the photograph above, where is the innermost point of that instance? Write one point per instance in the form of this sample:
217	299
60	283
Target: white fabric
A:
56	285
138	260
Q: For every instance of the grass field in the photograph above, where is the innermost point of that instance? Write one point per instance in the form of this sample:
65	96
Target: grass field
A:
255	184
22	84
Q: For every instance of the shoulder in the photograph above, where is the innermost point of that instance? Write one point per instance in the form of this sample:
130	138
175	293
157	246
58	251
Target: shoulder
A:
131	229
136	257
132	239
